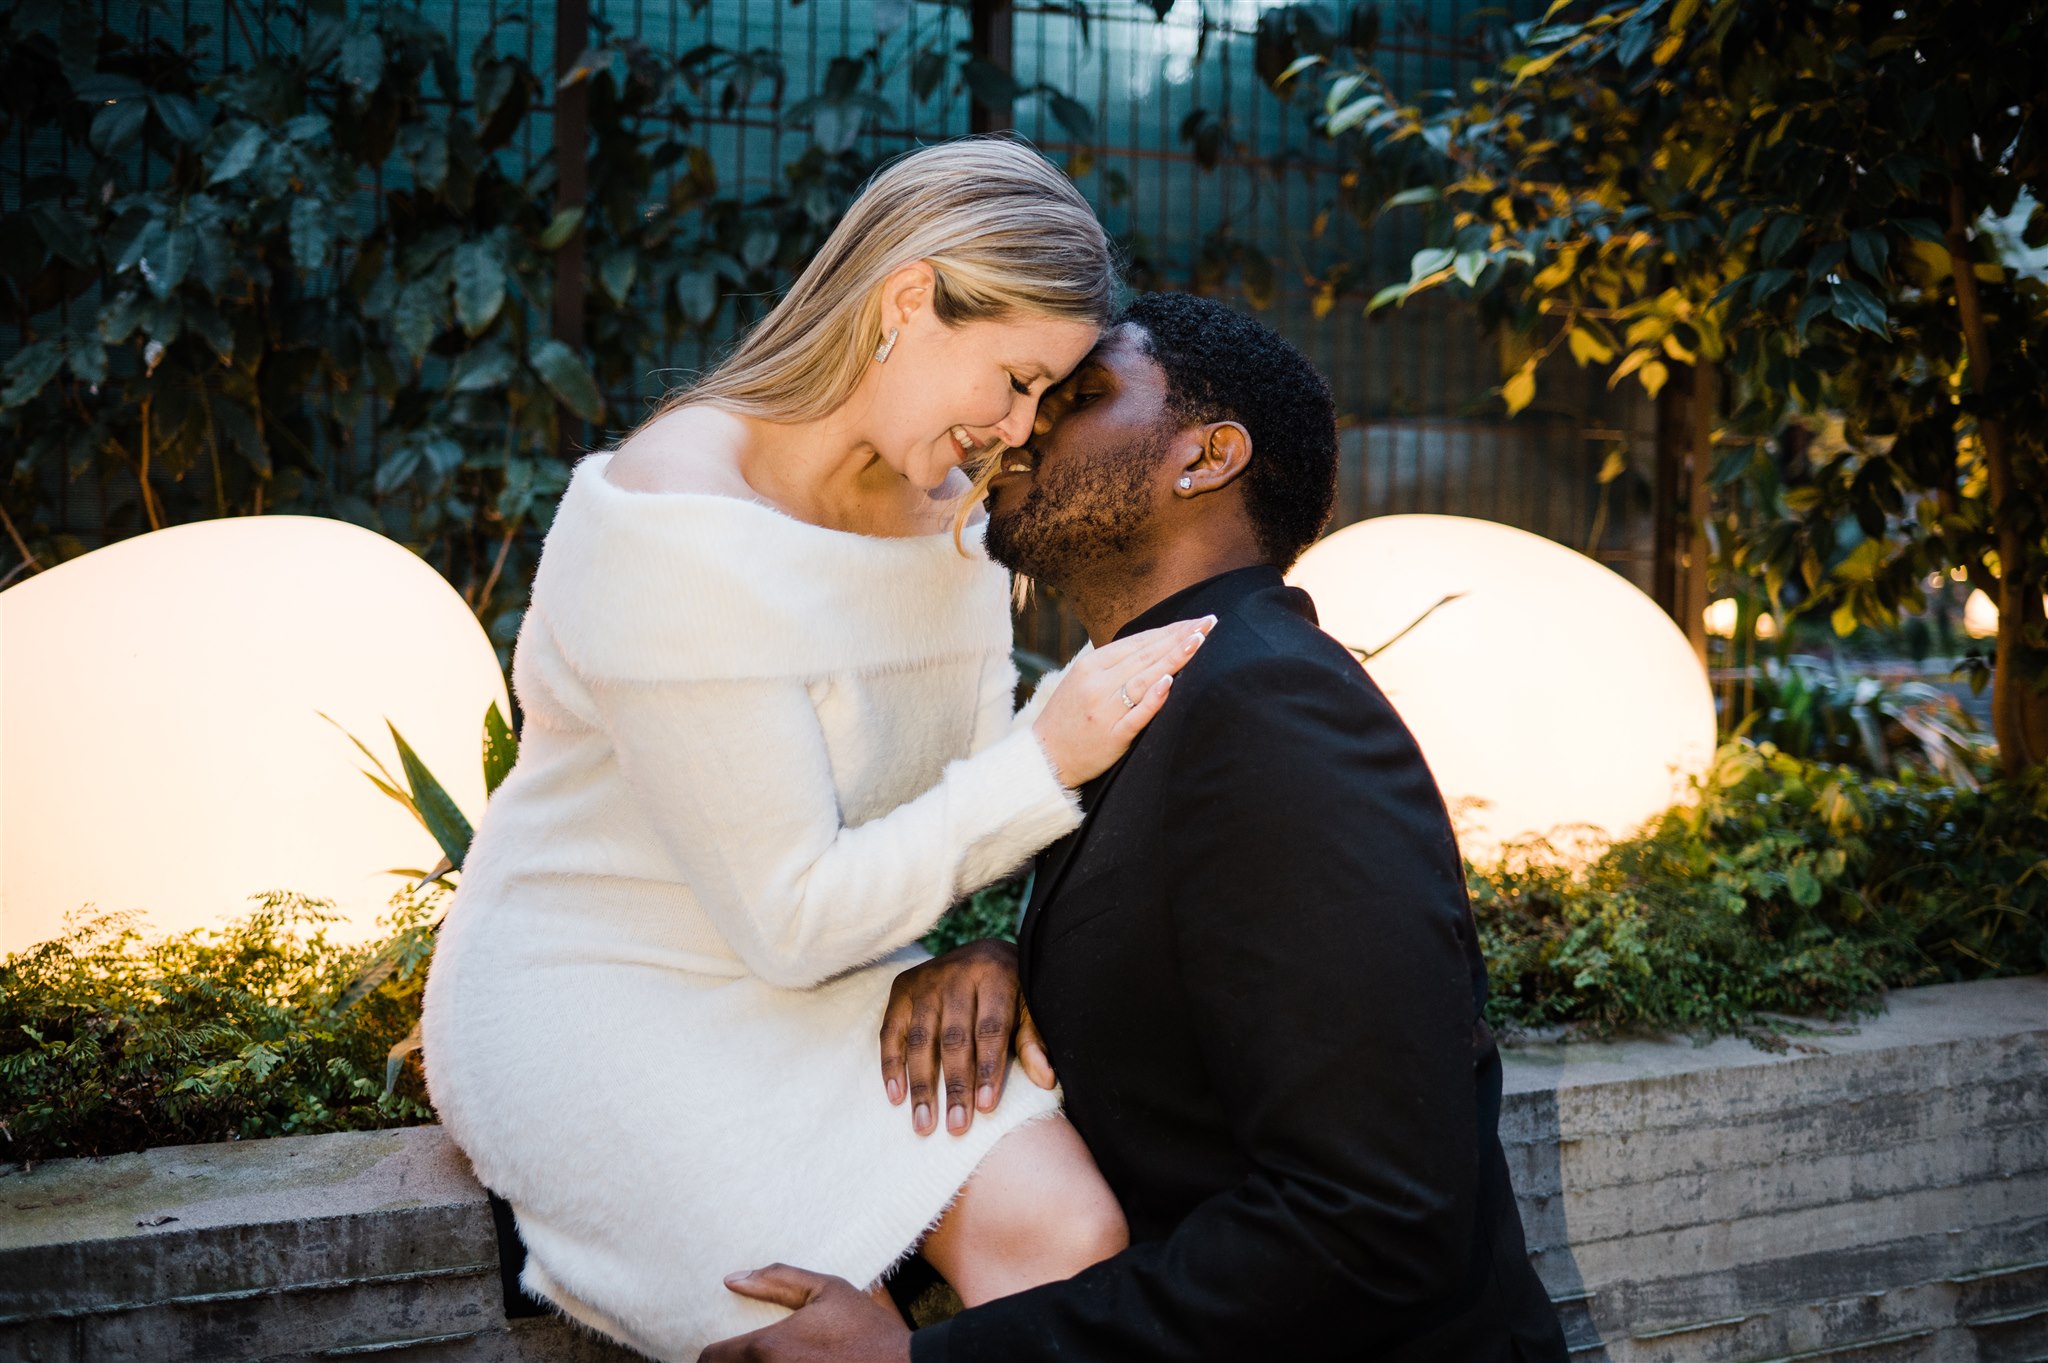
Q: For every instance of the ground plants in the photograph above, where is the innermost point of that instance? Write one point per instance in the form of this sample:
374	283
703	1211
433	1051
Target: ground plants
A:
110	1041
1787	887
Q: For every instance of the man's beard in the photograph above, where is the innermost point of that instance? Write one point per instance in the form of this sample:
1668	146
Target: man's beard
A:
1079	517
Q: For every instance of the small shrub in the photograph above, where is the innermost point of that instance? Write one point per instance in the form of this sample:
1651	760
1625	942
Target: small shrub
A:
111	1042
1788	886
990	912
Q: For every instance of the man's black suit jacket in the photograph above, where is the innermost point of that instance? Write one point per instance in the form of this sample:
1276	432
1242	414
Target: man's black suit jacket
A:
1258	978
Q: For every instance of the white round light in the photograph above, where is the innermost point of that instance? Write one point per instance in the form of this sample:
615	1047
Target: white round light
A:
1980	616
163	748
1720	617
1546	691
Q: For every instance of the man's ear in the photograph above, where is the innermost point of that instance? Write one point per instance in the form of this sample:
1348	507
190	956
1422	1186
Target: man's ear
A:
1223	451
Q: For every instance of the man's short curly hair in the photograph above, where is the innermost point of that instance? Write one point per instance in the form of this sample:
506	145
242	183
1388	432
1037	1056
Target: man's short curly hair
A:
1220	365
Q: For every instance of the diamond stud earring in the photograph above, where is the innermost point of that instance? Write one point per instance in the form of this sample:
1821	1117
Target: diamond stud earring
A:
1186	483
888	344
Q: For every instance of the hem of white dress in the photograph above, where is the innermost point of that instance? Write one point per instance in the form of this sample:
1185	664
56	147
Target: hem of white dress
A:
940	1215
901	1221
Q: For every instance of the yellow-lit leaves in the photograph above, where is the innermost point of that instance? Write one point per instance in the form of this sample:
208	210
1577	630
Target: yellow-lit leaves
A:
1520	389
1588	348
1553	276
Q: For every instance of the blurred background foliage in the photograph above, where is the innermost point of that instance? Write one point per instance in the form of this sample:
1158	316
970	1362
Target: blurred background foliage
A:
1822	222
328	282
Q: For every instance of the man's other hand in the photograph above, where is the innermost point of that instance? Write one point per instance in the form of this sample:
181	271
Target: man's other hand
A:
834	1322
951	1023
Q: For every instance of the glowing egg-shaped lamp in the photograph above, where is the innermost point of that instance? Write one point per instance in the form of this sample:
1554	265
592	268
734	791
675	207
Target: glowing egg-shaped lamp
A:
161	741
1550	696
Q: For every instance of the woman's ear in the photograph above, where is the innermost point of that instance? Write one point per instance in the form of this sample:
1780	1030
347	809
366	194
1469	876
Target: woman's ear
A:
1215	463
905	293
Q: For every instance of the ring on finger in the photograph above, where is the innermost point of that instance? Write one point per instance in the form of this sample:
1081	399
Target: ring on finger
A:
1125	696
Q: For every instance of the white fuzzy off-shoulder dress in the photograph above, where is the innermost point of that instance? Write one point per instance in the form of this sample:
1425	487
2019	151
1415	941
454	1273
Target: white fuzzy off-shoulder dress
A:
758	756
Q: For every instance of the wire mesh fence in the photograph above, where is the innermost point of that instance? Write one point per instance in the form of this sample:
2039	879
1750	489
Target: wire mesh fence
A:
1208	179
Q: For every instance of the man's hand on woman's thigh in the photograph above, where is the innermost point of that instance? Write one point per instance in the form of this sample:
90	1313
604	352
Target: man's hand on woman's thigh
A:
834	1319
949	1030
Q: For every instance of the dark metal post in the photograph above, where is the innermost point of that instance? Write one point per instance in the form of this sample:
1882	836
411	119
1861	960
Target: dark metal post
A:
993	31
572	155
1685	451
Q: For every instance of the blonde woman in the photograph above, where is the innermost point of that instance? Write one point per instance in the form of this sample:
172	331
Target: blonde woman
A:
768	741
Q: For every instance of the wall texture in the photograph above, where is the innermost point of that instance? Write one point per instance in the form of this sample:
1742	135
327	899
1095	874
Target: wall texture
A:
1872	1193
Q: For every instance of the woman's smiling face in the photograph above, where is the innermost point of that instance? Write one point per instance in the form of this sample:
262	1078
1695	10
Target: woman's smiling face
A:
947	393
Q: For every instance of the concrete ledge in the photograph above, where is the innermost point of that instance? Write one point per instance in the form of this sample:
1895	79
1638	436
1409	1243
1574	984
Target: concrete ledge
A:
1877	1192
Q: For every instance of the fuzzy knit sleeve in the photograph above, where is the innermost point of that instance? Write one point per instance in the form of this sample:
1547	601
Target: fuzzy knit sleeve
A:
735	780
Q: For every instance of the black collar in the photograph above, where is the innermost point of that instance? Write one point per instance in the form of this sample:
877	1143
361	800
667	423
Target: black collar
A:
1211	596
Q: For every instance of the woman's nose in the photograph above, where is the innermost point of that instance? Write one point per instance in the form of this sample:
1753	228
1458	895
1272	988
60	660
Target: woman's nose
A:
1015	429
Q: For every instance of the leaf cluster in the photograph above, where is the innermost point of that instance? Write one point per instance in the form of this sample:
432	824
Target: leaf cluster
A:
1787	886
326	281
110	1041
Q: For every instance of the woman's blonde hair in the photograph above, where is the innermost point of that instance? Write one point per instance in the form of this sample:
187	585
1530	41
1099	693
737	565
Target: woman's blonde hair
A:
1004	231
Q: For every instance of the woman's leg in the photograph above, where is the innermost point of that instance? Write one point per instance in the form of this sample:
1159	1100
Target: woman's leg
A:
1037	1210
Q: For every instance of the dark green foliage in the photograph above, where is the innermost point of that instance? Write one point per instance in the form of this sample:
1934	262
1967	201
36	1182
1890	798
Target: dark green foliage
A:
1819	711
1792	887
992	912
1802	196
326	282
109	1042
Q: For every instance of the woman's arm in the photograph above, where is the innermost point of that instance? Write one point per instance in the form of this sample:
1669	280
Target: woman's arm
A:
735	781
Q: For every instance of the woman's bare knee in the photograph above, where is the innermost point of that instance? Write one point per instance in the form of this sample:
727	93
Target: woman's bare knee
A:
1037	1210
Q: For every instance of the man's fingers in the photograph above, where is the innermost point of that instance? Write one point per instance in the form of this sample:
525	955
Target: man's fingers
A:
1031	1053
895	1029
921	1066
956	1059
780	1284
995	1019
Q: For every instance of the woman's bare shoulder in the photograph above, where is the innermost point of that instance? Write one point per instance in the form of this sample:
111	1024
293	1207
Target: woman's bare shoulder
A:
690	449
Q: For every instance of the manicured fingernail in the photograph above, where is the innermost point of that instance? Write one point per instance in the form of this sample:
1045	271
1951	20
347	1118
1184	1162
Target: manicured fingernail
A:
985	1097
735	1279
956	1116
923	1116
895	1090
1195	641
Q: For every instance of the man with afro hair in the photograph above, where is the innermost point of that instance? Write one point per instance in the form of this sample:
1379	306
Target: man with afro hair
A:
1253	967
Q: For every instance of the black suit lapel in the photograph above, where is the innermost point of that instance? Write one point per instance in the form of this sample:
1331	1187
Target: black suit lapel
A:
1218	594
1053	864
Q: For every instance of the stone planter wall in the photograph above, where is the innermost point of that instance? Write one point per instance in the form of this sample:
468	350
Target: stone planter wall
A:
1874	1193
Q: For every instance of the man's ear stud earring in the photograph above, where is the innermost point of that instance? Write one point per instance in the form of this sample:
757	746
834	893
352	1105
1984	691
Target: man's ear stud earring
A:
1186	483
888	344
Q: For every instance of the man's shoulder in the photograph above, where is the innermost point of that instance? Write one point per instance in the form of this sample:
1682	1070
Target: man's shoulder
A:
1268	646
